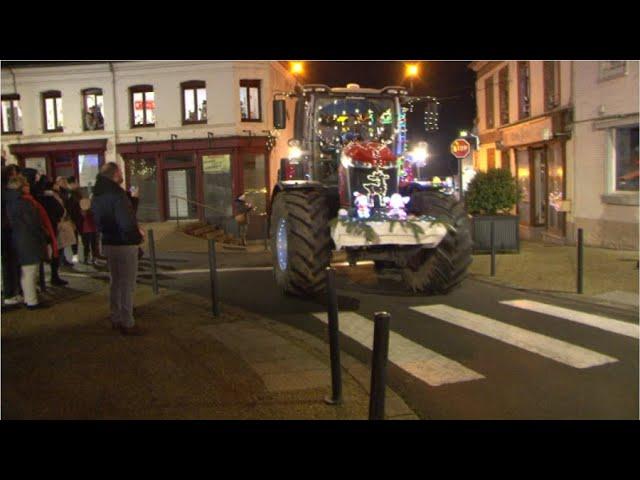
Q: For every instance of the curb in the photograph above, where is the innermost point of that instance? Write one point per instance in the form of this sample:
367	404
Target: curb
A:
580	298
395	406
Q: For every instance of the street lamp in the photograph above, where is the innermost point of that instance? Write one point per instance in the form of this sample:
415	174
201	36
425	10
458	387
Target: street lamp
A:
297	68
411	71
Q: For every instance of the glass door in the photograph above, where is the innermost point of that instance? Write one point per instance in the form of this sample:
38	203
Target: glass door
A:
255	192
180	186
524	184
556	220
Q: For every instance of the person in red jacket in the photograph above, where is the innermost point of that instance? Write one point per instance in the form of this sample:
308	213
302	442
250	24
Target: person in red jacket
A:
89	231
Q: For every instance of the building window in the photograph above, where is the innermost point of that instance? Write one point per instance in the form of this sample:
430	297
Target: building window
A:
488	97
551	76
52	107
625	159
194	102
143	106
612	69
524	91
11	114
250	110
503	89
92	109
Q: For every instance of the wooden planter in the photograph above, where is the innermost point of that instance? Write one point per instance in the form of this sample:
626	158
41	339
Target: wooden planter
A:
507	233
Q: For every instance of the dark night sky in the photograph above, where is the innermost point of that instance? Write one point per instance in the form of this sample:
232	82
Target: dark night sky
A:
440	79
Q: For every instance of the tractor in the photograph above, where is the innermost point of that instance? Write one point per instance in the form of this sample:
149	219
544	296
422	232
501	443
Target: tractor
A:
350	182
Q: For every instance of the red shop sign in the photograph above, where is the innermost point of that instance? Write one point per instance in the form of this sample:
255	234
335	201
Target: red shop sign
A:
150	105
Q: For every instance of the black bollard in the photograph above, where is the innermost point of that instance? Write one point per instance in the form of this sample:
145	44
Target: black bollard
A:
493	248
379	365
213	279
152	254
334	341
580	280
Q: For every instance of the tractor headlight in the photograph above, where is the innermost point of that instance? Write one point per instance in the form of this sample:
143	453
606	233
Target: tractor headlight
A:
419	153
295	152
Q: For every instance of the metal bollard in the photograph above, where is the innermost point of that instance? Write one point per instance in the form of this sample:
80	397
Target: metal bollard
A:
379	365
493	248
580	279
152	254
213	279
334	339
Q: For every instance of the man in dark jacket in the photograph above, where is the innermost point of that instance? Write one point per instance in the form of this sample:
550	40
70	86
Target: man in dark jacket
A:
116	221
28	237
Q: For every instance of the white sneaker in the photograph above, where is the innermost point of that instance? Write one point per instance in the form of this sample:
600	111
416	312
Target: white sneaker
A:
74	259
13	300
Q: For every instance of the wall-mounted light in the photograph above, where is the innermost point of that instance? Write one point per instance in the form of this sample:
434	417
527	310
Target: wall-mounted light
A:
210	138
138	144
173	137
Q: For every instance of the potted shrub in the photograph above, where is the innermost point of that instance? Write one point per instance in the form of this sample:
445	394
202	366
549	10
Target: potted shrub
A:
490	197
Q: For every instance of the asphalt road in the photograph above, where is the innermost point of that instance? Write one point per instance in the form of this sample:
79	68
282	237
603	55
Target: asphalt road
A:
447	363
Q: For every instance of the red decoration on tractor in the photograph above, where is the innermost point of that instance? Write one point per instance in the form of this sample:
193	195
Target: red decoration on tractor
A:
373	153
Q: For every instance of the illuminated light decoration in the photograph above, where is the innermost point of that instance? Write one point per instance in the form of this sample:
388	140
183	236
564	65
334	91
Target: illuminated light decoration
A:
386	118
377	187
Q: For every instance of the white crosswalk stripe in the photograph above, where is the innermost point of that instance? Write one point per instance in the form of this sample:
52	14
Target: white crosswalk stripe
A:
597	321
552	348
428	366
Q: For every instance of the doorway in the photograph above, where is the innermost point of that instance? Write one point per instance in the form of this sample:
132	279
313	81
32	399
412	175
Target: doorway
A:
180	186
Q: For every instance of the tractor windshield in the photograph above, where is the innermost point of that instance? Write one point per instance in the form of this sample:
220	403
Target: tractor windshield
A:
341	120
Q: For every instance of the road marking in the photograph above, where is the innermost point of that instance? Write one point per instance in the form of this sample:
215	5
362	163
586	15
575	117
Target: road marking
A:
603	323
430	367
552	348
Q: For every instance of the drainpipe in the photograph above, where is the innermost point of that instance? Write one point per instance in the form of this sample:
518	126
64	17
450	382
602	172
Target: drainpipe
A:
115	112
13	76
573	148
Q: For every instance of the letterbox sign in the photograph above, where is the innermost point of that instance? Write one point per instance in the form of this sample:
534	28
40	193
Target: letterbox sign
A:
216	163
460	148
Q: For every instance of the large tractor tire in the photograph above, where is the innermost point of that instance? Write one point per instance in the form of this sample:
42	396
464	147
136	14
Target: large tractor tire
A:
300	241
441	269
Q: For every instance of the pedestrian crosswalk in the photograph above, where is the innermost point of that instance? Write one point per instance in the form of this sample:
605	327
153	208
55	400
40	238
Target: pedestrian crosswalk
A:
436	369
425	364
597	321
549	347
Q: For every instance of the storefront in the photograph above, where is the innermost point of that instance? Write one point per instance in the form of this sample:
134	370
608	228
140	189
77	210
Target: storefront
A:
199	179
80	159
538	147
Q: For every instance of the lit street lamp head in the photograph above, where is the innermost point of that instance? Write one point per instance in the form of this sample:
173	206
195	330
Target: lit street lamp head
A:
297	68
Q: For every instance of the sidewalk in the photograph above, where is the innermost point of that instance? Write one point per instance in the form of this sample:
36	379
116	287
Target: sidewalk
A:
609	275
65	362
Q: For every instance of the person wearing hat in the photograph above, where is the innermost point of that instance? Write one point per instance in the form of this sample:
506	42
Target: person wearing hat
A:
88	231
